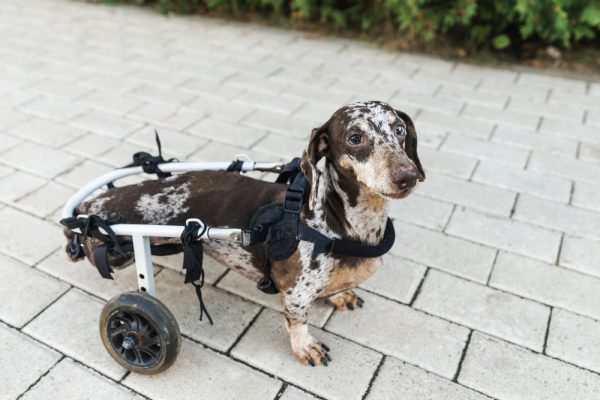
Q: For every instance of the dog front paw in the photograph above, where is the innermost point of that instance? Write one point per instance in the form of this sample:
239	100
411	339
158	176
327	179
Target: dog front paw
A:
346	300
312	352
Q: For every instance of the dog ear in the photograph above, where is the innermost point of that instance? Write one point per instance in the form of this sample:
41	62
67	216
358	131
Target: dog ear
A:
410	143
317	148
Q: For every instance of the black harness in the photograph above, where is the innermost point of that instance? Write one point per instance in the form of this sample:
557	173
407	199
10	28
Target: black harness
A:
276	227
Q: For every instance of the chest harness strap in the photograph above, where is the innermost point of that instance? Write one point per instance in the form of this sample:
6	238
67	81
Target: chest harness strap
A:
280	230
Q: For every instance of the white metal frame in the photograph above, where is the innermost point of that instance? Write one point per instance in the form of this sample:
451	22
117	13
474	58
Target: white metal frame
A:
141	233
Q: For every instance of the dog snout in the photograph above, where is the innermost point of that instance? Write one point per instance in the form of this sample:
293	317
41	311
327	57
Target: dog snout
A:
406	178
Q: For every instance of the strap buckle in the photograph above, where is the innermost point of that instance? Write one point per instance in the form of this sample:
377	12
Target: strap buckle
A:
293	201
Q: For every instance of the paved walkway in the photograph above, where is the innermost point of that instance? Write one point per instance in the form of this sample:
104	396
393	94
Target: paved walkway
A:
493	288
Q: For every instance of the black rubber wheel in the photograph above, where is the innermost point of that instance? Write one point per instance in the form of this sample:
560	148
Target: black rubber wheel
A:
140	333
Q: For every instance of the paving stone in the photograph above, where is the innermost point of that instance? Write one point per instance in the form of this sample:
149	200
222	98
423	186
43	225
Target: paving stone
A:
227	132
512	118
558	216
564	167
292	393
235	283
231	315
91	145
105	124
199	370
70	325
173	143
468	194
473	96
505	234
85	276
586	195
506	371
487	310
427	102
402	332
25	360
562	111
8	141
468	260
396	278
46	199
484	150
46	132
547	284
527	139
10	117
569	129
430	136
220	109
122	154
40	160
83	173
269	102
158	95
105	81
523	181
18	184
210	89
21	225
462	125
22	282
266	346
403	381
59	88
53	109
90	385
423	211
183	118
446	163
218	152
542	80
574	339
284	125
152	113
581	255
279	146
111	102
590	153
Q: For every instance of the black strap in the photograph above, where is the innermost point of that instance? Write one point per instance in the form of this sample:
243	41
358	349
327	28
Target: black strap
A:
289	171
192	261
266	284
236	165
149	163
324	244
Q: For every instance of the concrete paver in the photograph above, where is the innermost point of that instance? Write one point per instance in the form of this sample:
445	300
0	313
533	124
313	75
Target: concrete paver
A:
501	239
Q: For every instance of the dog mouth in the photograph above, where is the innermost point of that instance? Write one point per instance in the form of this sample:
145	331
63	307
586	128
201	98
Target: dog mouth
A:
399	195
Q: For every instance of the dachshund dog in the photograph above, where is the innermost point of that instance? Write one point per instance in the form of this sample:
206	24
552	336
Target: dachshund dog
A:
367	155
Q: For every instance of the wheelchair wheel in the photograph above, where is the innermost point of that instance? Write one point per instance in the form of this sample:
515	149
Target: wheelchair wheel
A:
140	333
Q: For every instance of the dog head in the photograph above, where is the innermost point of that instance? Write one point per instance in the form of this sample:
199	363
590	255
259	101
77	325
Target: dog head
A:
371	143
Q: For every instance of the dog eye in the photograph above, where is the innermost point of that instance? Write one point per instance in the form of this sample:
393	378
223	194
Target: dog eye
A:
400	130
355	139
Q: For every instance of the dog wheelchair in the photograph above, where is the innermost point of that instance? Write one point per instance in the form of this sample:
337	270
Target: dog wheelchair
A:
137	330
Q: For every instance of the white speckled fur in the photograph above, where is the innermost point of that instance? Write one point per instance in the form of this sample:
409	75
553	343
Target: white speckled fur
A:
161	207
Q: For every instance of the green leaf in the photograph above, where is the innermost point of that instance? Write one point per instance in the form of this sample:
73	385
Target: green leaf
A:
501	42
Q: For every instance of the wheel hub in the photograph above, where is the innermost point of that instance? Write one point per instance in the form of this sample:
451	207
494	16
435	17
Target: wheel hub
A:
134	338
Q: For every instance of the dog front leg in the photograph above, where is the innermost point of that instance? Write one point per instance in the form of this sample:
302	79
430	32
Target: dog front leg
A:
305	347
346	300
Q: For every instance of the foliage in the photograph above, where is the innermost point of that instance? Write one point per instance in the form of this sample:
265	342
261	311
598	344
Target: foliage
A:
500	24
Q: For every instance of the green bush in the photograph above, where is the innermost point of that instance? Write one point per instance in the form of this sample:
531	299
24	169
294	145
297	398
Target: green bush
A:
500	24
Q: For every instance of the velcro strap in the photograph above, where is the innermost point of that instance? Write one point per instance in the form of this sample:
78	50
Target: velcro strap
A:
192	261
101	258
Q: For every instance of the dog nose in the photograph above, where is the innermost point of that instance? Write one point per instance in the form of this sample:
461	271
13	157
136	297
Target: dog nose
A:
406	178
